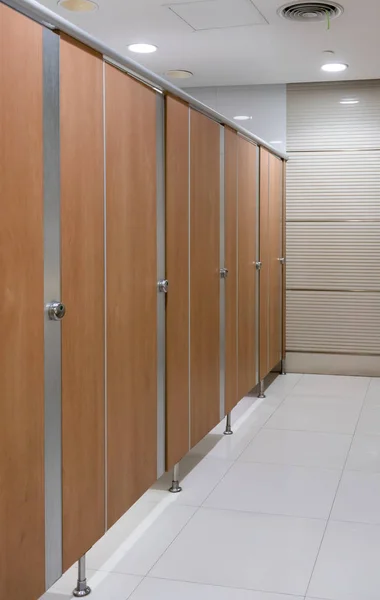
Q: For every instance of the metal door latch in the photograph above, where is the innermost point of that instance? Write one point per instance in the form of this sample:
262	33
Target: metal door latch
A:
223	273
163	286
282	261
56	310
258	264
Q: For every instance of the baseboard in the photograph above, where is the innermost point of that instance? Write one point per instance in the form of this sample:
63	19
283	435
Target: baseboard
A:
333	364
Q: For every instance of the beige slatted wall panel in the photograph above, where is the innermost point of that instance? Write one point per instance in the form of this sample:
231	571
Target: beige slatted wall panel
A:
334	322
339	256
333	185
333	219
317	121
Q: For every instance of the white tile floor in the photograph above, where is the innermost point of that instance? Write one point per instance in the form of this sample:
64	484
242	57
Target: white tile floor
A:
288	507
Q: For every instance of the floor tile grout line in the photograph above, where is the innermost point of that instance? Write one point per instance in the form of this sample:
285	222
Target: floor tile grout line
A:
336	493
199	507
227	587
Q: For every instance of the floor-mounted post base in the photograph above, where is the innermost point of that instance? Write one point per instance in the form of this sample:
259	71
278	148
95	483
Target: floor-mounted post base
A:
82	588
175	487
283	367
261	392
228	430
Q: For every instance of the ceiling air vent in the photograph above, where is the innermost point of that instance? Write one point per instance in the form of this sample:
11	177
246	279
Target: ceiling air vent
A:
310	12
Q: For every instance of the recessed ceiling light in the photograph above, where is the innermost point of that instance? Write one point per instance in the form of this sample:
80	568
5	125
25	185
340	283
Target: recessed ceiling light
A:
142	48
334	67
349	101
242	118
78	5
179	74
276	142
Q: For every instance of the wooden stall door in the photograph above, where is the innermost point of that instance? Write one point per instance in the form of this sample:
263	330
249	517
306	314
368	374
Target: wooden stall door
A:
230	211
265	260
131	290
247	205
82	257
22	560
275	267
204	274
177	272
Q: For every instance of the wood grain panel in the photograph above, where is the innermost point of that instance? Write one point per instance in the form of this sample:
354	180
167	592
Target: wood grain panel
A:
131	290
265	259
22	566
177	272
275	251
247	199
204	274
230	211
82	257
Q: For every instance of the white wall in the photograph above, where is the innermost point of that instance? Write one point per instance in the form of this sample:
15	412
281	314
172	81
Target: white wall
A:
266	104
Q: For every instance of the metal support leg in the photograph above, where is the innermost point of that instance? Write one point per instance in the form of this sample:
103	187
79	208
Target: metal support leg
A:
228	430
261	394
82	588
283	367
175	488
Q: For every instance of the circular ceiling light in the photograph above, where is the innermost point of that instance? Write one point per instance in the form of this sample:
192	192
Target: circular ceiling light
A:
242	118
179	74
349	101
78	5
142	48
334	67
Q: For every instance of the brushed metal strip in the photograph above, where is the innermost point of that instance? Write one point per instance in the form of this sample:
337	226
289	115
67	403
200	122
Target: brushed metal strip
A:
189	273
161	274
222	286
52	291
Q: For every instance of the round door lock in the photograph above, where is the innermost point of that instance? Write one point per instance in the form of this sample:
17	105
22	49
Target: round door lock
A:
56	310
163	286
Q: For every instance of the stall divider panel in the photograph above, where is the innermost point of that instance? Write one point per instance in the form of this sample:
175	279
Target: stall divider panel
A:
204	274
82	258
275	268
265	260
52	292
247	235
231	263
222	286
162	285
177	271
22	564
131	171
284	256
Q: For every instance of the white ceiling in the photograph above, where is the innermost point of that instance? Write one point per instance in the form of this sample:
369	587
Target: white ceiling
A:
236	42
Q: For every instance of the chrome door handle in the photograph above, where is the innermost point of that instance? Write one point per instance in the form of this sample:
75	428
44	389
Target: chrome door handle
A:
258	264
163	286
282	261
56	310
223	273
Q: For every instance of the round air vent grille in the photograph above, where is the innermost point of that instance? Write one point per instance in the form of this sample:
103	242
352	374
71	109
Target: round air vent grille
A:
310	12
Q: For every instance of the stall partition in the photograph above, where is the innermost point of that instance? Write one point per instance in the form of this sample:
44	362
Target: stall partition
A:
130	249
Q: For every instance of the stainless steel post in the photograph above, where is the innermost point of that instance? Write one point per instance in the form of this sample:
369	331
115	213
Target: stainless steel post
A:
82	588
228	430
175	487
261	393
283	367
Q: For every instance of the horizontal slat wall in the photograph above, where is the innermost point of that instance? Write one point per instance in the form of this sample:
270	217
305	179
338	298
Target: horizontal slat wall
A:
333	185
333	222
333	322
339	256
317	120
